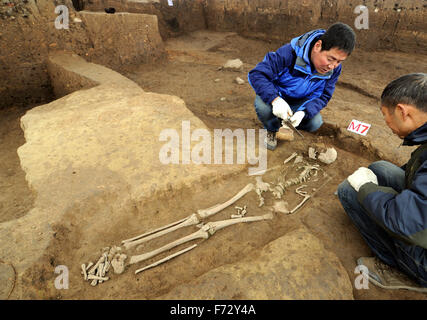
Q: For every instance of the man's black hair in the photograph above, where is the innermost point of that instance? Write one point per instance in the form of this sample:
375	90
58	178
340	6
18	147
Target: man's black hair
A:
408	89
339	35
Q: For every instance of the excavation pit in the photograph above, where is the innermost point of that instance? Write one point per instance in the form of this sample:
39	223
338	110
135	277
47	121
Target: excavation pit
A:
93	177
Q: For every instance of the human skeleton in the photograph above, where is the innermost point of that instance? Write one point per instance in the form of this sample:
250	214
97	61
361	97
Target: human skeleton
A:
113	257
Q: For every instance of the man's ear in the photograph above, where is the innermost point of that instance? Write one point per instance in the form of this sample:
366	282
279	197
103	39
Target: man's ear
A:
318	46
402	110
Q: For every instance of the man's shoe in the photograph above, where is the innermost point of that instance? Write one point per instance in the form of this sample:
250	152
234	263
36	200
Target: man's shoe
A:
386	277
270	140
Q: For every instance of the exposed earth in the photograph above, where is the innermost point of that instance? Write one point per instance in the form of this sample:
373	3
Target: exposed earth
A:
191	72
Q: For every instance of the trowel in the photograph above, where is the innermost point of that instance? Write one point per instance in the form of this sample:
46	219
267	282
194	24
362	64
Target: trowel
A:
290	125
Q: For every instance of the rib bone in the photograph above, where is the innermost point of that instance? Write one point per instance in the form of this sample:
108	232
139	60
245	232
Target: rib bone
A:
204	233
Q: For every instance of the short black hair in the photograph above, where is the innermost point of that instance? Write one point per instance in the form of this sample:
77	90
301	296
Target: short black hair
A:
408	89
339	35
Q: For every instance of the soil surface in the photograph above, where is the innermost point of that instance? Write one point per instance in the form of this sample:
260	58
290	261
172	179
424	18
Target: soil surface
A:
16	198
191	72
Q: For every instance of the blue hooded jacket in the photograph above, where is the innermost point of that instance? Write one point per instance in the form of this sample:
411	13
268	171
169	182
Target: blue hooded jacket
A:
403	215
288	73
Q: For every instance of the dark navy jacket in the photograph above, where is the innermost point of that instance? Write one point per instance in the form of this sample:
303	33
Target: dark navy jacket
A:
404	214
288	73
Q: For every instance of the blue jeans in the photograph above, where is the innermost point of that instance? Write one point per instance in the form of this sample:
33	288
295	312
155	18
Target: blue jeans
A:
273	123
410	259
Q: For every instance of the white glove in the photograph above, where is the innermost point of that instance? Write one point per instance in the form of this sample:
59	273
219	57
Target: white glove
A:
281	108
360	177
297	118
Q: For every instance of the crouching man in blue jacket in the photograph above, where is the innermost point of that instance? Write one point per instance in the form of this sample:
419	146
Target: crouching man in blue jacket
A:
298	80
388	204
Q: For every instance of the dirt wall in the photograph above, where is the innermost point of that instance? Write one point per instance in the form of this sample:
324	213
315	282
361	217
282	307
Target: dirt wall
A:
391	24
180	17
396	25
28	34
24	44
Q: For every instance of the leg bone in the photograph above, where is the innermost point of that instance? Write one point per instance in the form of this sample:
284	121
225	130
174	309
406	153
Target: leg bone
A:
218	225
200	234
190	220
166	259
204	233
154	231
204	213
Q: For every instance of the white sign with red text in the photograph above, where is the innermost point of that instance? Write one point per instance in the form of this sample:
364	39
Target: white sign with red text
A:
359	127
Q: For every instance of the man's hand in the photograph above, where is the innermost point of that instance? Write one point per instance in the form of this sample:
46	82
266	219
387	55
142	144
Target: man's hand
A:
360	177
297	118
281	108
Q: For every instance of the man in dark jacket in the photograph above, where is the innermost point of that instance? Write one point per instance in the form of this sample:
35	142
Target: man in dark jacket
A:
298	80
388	204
